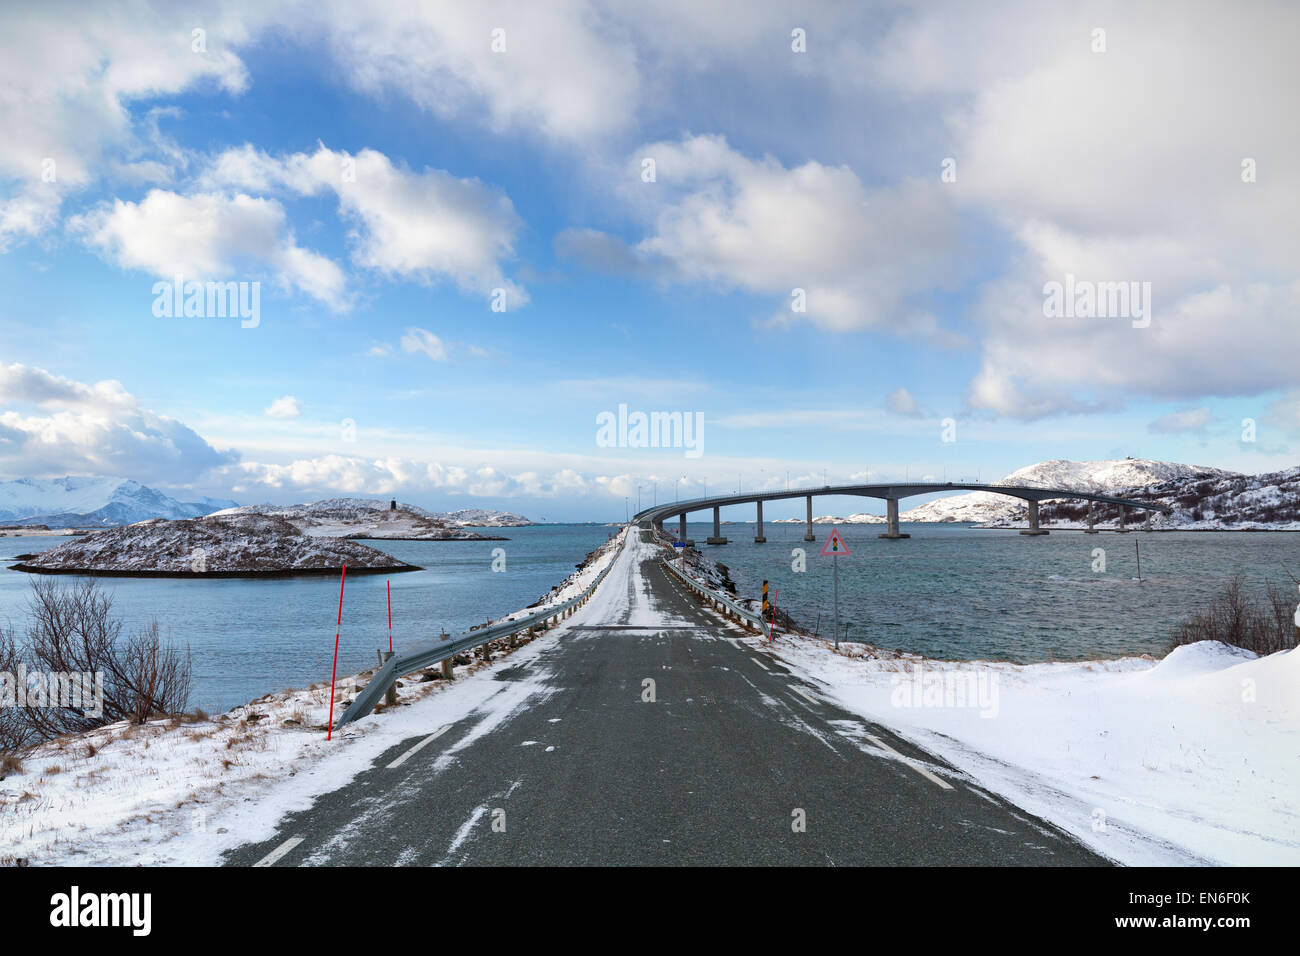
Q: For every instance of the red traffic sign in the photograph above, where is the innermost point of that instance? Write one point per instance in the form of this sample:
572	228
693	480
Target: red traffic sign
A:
835	545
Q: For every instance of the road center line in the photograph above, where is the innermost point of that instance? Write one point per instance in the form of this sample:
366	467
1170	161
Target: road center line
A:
279	852
910	762
418	747
759	663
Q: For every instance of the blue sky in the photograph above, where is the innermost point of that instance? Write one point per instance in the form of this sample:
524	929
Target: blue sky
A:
379	173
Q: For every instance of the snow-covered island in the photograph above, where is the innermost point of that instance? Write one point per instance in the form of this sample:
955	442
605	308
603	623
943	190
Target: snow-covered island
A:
249	545
483	518
381	520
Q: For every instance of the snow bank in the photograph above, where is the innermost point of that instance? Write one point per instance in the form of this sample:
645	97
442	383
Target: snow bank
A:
1195	758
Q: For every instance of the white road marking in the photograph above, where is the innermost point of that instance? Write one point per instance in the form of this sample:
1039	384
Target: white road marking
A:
463	833
759	663
805	695
418	747
910	762
279	852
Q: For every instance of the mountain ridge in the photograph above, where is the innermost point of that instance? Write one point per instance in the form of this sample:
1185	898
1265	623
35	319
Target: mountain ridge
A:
93	501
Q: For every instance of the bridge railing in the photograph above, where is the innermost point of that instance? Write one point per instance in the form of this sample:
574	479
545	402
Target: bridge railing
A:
399	666
726	605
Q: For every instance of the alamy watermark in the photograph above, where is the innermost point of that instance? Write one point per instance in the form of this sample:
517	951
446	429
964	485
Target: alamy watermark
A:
178	299
1084	299
651	430
946	688
53	690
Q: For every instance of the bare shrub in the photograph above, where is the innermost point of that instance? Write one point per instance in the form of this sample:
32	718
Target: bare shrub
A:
1259	623
72	631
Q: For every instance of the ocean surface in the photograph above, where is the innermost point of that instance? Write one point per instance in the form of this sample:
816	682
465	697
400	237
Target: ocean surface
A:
249	637
948	592
952	591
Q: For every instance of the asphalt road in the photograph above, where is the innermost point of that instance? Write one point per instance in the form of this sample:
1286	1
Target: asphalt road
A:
720	768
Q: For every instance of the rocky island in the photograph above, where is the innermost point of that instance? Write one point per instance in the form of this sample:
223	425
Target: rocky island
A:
221	545
368	518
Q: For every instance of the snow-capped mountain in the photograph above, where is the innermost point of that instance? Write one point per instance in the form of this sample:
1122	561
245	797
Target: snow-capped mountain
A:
1115	477
1221	502
83	502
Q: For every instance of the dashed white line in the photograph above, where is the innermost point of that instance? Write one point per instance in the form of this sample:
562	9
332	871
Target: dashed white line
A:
279	852
805	695
760	663
418	747
910	762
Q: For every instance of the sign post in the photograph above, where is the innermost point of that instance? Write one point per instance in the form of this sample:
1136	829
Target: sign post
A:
833	548
771	633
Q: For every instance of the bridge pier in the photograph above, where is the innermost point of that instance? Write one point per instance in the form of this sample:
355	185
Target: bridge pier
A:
681	532
1033	519
808	533
758	538
891	513
1146	522
717	528
1091	520
1122	515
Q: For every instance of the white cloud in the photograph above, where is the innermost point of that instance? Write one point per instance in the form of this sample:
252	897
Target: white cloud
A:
1122	166
69	427
208	236
901	402
1284	412
284	407
422	225
864	258
422	341
70	77
560	74
333	474
1194	420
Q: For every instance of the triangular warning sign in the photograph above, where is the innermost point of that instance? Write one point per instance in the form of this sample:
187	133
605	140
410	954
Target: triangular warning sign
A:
834	545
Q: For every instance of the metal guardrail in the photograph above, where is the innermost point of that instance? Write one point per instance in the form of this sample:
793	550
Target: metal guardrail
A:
724	603
397	667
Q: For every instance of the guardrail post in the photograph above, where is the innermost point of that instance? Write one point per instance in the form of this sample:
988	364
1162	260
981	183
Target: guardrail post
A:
390	696
448	669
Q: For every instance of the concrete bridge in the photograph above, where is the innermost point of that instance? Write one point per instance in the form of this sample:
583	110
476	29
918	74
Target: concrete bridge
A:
891	493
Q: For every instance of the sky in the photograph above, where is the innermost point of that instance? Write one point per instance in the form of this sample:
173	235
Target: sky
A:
828	232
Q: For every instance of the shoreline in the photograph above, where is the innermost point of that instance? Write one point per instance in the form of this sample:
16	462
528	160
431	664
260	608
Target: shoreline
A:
278	573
